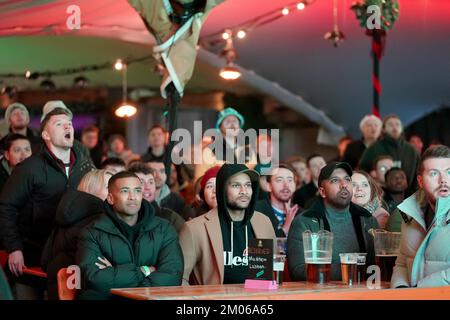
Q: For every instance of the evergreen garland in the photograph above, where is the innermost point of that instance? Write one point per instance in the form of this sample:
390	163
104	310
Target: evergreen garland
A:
389	12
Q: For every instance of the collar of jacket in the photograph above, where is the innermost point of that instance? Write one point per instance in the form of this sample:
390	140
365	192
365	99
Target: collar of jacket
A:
104	222
165	191
5	165
411	207
74	152
317	210
212	225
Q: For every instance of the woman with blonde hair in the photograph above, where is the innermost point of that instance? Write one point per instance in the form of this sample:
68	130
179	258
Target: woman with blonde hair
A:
76	210
368	194
95	182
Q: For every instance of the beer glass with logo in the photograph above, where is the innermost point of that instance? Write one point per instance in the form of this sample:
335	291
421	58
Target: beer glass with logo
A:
349	268
279	259
387	246
318	249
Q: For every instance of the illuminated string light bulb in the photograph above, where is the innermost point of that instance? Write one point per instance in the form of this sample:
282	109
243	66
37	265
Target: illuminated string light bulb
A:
285	11
226	35
119	65
300	6
28	74
241	34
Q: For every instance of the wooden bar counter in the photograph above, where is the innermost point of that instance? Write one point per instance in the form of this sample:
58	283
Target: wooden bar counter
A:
287	291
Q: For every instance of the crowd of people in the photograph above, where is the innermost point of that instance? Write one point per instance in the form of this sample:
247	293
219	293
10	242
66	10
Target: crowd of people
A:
126	222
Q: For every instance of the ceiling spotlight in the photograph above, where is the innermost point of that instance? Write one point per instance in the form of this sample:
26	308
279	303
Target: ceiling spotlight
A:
241	34
285	11
119	65
230	72
125	111
301	6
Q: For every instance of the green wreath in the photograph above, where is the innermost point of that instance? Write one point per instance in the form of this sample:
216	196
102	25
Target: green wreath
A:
389	12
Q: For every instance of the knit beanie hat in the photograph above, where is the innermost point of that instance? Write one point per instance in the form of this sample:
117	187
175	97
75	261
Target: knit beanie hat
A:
229	112
210	173
12	107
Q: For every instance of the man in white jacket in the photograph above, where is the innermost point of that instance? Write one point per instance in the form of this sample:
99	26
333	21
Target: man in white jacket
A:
424	258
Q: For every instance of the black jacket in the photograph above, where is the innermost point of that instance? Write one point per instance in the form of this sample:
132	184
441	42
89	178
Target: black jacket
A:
305	195
29	199
4	173
354	152
399	150
174	218
75	211
265	207
314	219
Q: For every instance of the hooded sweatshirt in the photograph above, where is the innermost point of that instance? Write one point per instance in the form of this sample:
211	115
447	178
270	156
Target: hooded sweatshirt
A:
235	234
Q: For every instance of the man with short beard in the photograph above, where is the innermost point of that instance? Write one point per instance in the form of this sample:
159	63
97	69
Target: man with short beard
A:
278	207
215	245
349	223
424	256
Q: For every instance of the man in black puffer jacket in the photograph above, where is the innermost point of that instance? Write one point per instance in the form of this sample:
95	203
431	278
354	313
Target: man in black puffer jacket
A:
128	246
75	211
29	198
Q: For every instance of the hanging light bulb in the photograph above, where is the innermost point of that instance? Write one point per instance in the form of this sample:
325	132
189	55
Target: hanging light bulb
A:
285	11
230	72
126	111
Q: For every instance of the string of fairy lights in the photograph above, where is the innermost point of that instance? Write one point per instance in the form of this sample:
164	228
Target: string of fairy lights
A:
224	39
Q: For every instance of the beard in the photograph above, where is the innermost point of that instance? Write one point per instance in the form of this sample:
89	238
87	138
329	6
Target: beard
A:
340	201
234	205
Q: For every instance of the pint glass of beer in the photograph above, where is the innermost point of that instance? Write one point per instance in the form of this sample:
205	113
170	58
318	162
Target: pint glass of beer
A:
349	268
318	249
387	246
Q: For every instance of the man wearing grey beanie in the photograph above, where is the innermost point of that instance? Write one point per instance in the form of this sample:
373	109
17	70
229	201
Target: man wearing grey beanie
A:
17	119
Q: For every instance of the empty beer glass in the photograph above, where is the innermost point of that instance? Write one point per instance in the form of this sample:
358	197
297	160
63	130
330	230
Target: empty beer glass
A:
349	268
387	246
318	249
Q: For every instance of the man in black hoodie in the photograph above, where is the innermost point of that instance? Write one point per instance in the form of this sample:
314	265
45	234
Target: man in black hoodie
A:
215	244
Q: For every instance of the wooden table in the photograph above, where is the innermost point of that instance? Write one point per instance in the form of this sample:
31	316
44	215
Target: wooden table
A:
288	291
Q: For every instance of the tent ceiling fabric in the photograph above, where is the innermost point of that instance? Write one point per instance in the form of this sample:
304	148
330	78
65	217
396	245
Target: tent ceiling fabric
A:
415	72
